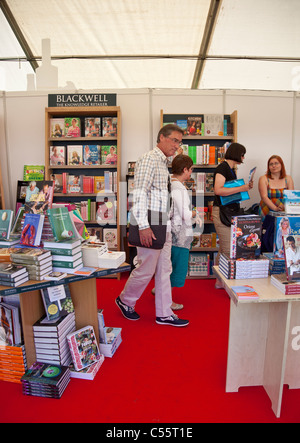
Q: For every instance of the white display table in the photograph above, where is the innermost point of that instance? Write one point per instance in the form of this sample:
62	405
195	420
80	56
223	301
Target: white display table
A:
261	334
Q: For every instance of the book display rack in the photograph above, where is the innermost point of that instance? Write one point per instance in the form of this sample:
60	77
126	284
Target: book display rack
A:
206	138
83	157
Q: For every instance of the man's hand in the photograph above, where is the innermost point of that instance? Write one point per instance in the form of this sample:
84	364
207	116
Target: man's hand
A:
146	237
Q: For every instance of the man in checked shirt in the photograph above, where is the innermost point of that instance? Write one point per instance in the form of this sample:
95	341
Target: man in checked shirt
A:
151	180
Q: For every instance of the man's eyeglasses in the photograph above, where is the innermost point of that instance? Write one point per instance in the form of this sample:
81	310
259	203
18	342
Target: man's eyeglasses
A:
176	141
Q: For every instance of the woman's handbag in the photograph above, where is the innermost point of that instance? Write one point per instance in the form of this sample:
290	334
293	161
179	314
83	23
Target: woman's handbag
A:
226	212
158	224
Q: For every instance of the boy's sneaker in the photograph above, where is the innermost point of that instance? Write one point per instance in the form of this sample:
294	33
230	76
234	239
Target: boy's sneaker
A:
172	320
127	311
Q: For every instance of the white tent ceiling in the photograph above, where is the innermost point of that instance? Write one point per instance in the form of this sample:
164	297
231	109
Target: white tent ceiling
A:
115	44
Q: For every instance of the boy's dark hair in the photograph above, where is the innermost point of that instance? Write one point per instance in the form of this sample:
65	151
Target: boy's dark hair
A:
290	238
167	130
235	152
180	162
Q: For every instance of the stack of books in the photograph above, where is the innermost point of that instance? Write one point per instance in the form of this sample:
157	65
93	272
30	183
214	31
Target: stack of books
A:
287	287
13	363
38	262
88	373
68	247
114	339
110	338
12	274
91	252
44	380
67	263
111	259
242	268
276	264
66	255
50	339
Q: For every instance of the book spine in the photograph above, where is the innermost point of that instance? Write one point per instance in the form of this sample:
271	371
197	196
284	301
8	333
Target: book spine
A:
60	251
74	353
233	237
63	264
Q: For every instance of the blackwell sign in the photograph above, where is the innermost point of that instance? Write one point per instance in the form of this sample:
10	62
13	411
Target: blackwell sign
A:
66	100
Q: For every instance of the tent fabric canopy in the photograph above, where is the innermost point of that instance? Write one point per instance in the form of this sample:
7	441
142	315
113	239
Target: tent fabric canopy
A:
198	44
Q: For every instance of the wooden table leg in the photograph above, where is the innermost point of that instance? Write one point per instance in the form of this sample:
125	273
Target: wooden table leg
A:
32	309
84	297
247	343
276	352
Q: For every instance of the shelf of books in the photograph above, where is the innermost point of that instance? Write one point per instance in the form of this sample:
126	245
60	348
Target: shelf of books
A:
83	157
206	138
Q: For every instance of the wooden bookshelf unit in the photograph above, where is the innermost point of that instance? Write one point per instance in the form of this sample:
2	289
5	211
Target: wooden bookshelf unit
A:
80	169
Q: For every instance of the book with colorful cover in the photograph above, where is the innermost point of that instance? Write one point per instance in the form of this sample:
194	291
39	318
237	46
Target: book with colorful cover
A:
6	219
57	155
57	301
106	210
84	348
245	240
291	201
38	196
91	155
34	172
32	229
74	155
92	126
74	184
245	292
291	248
57	127
88	373
61	224
79	224
10	326
72	127
109	126
194	125
109	155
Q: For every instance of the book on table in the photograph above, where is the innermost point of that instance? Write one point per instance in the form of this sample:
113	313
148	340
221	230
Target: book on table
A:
291	248
61	224
245	292
6	219
32	229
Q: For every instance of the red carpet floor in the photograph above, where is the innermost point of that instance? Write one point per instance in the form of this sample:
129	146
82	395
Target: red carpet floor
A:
160	374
